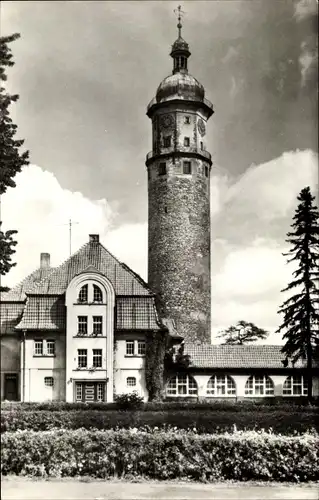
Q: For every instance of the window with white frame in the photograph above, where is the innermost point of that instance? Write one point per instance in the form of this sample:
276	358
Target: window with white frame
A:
135	348
83	294
141	347
97	325
48	381
82	358
97	358
259	385
38	347
97	294
100	391
50	347
82	325
131	382
78	392
130	347
221	385
295	385
181	385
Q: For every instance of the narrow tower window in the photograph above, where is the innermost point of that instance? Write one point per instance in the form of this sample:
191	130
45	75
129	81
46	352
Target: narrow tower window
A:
187	120
186	141
167	141
187	167
201	145
206	171
162	168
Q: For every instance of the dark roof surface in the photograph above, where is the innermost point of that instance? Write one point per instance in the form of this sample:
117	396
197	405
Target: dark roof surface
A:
123	279
236	356
43	313
18	293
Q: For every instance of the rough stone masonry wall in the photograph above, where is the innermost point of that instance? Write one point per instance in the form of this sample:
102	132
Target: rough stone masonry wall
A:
179	246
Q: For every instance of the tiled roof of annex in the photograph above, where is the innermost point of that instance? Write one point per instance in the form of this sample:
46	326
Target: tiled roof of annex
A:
237	356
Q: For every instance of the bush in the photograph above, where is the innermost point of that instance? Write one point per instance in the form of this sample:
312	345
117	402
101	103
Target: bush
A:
239	456
207	421
129	401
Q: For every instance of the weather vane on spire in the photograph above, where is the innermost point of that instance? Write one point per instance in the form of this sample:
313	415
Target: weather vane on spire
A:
179	12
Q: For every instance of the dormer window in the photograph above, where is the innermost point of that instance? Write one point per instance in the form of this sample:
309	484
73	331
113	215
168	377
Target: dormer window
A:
97	294
83	294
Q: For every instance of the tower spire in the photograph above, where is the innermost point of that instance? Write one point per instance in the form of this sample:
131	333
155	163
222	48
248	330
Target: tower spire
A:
180	50
179	14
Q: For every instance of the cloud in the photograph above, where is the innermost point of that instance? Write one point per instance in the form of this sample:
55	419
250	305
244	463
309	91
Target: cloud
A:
307	62
305	8
248	268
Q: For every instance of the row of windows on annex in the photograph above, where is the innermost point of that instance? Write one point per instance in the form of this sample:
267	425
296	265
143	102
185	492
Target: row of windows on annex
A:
90	294
43	347
167	142
224	385
187	168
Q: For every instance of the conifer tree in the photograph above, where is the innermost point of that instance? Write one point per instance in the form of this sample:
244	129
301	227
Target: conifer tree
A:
11	160
300	311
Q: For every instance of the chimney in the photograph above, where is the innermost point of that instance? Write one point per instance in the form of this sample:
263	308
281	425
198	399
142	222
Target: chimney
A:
94	238
44	260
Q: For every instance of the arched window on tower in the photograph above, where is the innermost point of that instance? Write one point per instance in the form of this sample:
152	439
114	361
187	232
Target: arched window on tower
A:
97	294
181	384
259	385
83	294
221	385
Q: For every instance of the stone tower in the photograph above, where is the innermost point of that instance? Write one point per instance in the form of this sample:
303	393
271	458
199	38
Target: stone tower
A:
179	199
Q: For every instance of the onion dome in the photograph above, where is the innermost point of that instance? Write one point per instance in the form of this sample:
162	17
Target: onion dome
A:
180	86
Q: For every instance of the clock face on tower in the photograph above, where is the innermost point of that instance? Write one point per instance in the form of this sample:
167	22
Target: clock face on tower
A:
167	121
201	127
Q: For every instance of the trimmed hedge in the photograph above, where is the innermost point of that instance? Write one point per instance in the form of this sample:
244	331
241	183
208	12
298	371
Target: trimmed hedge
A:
226	405
208	421
240	456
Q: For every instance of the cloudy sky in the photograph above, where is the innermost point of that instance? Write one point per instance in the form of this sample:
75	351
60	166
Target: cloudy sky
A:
85	72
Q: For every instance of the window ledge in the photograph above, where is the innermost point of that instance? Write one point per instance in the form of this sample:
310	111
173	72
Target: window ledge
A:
134	355
90	303
44	355
89	336
89	370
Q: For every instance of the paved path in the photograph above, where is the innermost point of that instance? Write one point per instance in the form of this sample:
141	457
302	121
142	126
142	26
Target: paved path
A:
26	489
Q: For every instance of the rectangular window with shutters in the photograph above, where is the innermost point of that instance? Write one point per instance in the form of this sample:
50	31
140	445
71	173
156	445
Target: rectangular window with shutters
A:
97	358
97	325
82	358
187	167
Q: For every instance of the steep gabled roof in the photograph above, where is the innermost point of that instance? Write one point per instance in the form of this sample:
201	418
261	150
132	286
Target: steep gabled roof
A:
123	279
18	293
237	356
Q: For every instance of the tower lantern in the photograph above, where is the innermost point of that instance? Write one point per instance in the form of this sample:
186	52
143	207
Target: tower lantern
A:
179	198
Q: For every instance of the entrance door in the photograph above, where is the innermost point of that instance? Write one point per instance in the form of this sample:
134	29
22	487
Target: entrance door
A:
11	387
89	391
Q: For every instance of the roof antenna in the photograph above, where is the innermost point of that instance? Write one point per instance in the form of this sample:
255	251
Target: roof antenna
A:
70	224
